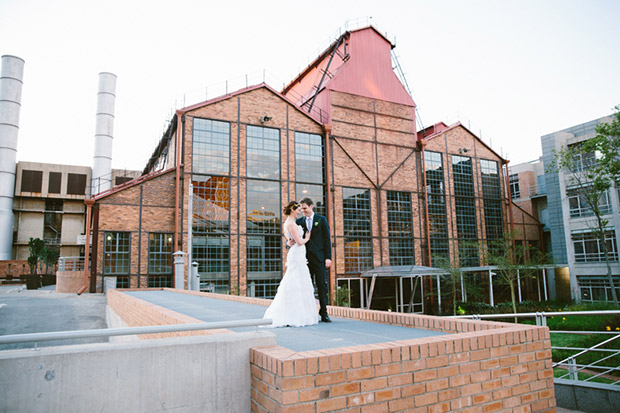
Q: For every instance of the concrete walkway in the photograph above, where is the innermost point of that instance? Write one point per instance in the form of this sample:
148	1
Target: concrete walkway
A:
340	332
43	310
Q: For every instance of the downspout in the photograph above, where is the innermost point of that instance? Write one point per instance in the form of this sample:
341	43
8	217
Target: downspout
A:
89	204
328	202
179	115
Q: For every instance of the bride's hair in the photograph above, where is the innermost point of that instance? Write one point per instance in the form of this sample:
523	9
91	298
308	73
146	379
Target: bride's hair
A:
293	205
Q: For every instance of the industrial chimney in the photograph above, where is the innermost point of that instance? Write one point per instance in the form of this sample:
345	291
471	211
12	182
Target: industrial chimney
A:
101	179
11	76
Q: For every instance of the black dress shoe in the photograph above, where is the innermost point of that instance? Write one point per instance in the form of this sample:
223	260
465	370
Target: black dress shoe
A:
325	318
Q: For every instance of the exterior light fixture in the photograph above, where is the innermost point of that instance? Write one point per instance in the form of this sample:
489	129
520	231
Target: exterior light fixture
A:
463	150
265	118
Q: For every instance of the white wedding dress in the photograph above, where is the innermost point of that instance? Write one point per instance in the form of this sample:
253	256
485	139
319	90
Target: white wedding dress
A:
294	304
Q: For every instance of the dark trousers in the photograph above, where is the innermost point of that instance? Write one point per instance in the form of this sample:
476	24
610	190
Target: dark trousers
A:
317	270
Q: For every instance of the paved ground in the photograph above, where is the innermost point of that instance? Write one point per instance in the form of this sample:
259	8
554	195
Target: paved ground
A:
339	333
35	311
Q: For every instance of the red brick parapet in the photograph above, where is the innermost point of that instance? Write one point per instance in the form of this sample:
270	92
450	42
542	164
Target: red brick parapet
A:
501	369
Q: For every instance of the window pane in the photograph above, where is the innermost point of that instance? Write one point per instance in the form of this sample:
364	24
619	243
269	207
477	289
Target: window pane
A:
400	231
160	254
309	158
264	245
467	231
116	253
263	152
211	231
314	192
211	147
438	226
357	230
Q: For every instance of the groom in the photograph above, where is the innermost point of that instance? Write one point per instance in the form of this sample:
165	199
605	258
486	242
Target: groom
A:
318	250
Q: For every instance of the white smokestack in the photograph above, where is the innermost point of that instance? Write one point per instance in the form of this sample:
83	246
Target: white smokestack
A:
11	81
104	127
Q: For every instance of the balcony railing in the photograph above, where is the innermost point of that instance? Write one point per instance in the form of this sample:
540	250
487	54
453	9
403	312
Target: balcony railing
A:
71	264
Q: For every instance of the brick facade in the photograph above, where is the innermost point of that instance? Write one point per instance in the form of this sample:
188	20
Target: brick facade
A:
140	209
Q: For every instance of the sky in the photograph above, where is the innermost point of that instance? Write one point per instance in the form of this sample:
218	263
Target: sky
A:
511	71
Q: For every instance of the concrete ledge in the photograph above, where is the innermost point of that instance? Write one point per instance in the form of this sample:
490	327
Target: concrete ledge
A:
587	397
135	313
175	374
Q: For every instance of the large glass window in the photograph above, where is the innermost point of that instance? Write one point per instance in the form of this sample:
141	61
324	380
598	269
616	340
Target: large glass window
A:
263	152
160	260
588	248
515	191
310	169
314	192
357	230
211	231
464	200
438	226
579	207
581	159
309	158
116	253
400	229
211	147
264	240
492	195
160	253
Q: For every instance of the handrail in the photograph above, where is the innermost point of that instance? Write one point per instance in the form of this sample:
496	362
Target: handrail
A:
109	332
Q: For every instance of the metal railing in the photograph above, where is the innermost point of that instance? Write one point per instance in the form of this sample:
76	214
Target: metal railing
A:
125	331
71	264
593	370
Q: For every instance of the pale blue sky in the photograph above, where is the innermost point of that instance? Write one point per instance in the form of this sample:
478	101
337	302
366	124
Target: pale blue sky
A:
511	70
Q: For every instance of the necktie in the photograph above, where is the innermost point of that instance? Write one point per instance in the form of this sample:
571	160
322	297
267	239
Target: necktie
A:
309	223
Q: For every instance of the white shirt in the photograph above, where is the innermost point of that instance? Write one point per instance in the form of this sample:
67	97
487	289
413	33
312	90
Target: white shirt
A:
309	221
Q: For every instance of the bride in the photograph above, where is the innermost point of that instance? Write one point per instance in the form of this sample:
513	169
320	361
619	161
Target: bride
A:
294	304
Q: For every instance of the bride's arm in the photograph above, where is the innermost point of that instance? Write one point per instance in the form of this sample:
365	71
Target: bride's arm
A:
292	229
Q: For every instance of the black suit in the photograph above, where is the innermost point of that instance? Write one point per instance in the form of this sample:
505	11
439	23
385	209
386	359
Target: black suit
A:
318	249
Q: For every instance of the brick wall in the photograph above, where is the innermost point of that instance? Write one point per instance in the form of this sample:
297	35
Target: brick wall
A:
17	268
139	209
482	367
69	281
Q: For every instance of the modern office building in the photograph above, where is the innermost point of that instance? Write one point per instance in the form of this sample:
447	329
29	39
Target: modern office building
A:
343	132
575	248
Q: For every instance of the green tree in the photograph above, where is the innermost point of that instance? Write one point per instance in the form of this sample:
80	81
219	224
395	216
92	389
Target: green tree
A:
35	247
592	169
513	261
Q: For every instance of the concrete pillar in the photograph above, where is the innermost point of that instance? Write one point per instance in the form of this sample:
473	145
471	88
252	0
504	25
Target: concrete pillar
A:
101	179
195	284
11	75
179	270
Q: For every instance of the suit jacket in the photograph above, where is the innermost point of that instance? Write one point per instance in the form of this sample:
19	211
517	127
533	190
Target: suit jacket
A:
319	246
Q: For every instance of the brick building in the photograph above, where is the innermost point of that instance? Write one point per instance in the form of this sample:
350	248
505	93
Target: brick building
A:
342	132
